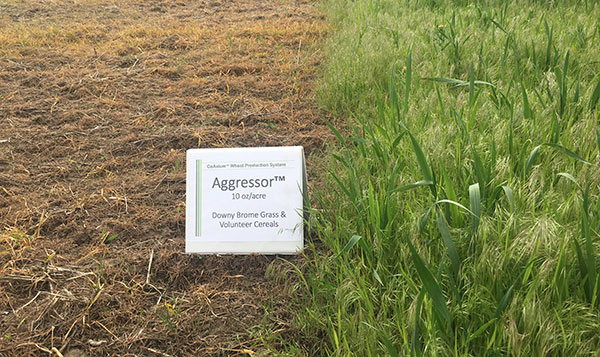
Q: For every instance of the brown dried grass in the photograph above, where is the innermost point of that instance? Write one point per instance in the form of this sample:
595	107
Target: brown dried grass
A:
98	102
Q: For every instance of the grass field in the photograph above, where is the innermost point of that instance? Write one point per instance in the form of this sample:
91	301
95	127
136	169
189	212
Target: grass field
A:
462	213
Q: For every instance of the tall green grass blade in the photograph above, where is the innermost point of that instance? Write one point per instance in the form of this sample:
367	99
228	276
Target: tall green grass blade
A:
412	185
415	345
394	94
471	86
587	261
480	173
511	136
397	141
451	194
569	153
480	330
424	217
595	96
569	177
389	347
450	247
335	131
423	220
359	140
527	113
425	169
534	57
377	277
509	196
342	187
562	328
461	122
555	129
531	159
457	205
582	264
392	179
457	82
538	95
407	81
475	200
351	243
503	304
535	152
440	102
563	86
508	296
342	160
432	287
549	44
577	88
589	247
527	272
499	26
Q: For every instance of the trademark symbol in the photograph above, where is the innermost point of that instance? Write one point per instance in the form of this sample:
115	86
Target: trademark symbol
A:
279	178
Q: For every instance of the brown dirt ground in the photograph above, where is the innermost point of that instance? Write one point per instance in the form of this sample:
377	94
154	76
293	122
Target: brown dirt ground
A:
99	100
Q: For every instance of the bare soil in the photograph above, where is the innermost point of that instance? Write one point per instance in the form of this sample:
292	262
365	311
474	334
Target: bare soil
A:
99	100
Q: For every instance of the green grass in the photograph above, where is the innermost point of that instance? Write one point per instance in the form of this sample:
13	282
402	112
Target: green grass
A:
461	213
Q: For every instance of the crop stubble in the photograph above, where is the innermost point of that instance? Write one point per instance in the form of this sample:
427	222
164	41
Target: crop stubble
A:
98	102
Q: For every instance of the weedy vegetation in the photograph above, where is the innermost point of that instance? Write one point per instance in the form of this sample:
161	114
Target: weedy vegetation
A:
461	216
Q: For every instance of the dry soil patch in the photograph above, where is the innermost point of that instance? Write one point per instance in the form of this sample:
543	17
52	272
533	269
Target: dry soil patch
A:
98	102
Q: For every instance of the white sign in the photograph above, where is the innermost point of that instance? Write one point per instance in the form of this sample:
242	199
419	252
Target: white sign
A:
245	200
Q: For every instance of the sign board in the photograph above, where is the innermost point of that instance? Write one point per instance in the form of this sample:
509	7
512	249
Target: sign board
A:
245	200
